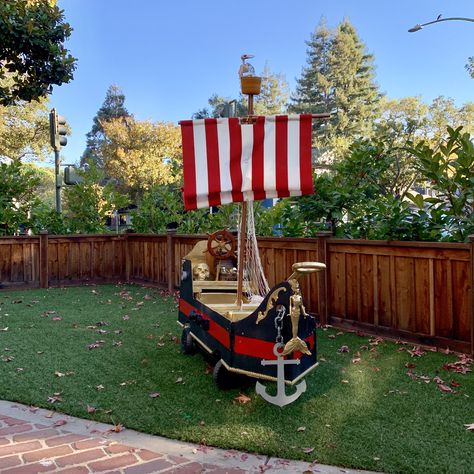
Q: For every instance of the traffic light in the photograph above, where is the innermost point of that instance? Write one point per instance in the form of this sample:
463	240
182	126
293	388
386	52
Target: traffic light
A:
57	130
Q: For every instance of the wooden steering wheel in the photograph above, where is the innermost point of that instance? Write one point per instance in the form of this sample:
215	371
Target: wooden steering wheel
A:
221	244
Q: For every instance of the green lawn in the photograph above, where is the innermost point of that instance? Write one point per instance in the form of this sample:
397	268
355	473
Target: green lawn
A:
365	413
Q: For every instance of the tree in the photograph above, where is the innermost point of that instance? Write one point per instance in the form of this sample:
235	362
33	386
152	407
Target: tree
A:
89	203
17	196
470	66
217	108
24	130
112	108
339	77
271	101
32	53
139	155
273	98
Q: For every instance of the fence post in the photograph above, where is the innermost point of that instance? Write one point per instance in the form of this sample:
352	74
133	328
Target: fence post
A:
127	258
43	259
170	233
471	309
322	237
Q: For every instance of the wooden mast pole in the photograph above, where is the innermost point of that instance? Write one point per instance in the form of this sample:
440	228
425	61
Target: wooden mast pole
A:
243	232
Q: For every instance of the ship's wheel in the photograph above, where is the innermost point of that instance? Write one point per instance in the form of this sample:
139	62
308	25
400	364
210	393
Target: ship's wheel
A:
221	244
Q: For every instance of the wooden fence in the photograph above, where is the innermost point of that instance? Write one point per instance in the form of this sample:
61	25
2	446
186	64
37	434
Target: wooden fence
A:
415	290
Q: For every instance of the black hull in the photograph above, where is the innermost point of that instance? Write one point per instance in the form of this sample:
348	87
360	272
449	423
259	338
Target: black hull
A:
243	344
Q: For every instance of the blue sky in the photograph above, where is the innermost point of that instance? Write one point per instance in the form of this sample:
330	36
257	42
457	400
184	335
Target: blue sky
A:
170	57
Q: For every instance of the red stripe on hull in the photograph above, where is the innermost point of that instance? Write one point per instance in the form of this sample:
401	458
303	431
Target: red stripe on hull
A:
216	331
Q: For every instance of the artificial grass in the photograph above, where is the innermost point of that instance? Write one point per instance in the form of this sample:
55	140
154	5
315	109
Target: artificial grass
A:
365	414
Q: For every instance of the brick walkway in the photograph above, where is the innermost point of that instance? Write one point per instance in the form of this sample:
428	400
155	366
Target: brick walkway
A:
35	440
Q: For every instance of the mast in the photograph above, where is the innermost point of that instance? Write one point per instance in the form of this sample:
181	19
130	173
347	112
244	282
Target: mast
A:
250	85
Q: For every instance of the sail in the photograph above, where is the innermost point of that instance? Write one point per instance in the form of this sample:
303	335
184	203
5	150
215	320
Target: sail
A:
227	161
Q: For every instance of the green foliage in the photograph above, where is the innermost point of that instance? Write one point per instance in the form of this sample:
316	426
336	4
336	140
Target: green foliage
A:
43	217
17	196
88	203
31	49
450	171
162	206
24	130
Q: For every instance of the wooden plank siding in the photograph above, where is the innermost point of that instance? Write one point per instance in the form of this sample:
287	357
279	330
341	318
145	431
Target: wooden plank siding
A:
19	261
421	290
415	288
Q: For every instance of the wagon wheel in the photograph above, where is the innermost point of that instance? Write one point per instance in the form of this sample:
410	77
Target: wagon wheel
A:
221	244
188	346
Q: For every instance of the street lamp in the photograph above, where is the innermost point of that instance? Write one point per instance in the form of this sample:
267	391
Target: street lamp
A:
419	26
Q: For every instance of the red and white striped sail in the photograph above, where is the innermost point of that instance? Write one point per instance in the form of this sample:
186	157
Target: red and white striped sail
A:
225	161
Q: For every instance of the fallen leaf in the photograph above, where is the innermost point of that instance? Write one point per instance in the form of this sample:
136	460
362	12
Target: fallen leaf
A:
308	450
91	409
243	399
470	427
155	395
117	428
416	351
54	398
344	381
343	349
301	428
410	365
454	384
148	297
126	317
57	318
438	380
179	380
445	388
60	423
4	329
117	343
99	387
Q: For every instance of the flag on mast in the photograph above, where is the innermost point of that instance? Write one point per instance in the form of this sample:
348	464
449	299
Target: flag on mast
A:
225	161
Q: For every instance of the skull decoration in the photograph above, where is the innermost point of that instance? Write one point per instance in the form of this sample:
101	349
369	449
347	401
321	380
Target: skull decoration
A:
201	272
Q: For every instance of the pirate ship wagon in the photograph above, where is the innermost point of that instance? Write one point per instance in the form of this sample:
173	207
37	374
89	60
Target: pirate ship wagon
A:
226	307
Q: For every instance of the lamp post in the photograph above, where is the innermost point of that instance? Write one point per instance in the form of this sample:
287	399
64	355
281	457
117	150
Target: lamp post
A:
419	26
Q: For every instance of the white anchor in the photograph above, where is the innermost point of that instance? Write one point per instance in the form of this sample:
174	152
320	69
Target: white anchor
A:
281	398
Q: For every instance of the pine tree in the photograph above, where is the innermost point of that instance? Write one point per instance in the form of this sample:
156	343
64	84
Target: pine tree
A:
112	108
273	97
339	77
